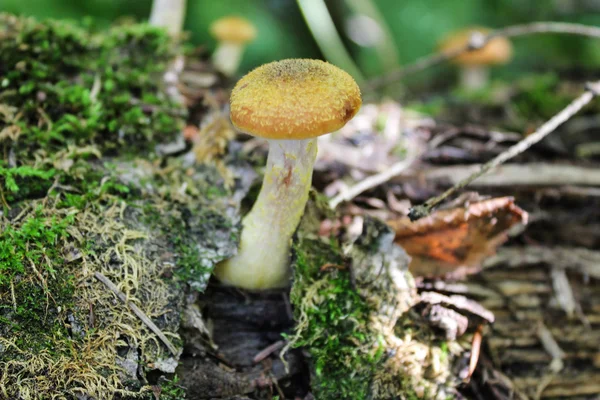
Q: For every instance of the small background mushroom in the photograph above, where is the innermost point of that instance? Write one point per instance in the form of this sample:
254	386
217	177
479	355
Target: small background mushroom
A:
474	65
232	33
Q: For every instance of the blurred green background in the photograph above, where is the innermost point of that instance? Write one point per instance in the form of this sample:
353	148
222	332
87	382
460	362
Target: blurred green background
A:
409	28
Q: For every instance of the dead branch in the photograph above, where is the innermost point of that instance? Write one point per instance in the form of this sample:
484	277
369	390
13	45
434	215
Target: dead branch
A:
580	259
371	182
592	89
523	175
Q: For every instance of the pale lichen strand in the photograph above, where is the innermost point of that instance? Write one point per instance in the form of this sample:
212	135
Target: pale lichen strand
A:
294	99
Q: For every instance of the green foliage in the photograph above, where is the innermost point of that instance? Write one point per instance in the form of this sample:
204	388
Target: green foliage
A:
337	333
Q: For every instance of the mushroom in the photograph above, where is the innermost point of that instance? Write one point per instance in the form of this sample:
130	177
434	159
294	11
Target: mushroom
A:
169	14
474	65
232	34
290	103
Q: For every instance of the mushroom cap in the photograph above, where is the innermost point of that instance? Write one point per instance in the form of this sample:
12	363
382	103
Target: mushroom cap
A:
496	51
294	99
233	29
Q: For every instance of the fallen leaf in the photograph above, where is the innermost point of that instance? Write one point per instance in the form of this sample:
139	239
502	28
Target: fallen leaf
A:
456	241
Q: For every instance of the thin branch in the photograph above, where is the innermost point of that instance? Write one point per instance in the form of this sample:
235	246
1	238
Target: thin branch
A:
267	351
592	90
477	41
139	313
530	175
371	182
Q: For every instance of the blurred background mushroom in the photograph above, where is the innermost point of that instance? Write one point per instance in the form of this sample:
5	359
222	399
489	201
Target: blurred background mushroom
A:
169	14
474	66
232	34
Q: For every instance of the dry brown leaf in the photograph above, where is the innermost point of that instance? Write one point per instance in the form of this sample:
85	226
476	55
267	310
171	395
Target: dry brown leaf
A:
457	240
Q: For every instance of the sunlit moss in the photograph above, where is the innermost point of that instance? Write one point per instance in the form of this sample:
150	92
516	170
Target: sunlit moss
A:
332	323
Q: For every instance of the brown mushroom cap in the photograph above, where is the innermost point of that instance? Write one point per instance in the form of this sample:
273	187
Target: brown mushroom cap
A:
496	51
294	99
233	29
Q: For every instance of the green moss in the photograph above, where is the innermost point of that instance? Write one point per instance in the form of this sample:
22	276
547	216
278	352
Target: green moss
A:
73	85
352	308
170	390
10	175
39	296
199	234
69	99
333	326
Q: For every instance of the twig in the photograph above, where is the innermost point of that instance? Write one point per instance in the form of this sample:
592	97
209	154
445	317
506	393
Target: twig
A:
553	348
477	41
534	174
139	313
591	90
563	291
267	351
475	351
583	261
371	182
12	294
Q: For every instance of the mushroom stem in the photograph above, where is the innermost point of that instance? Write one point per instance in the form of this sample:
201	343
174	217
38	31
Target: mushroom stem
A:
262	261
168	14
227	57
473	77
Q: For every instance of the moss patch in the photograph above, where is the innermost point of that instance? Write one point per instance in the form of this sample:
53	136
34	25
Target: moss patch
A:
352	307
30	278
333	323
82	191
71	85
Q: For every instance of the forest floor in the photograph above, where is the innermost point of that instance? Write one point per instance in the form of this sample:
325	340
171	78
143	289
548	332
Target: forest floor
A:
122	185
